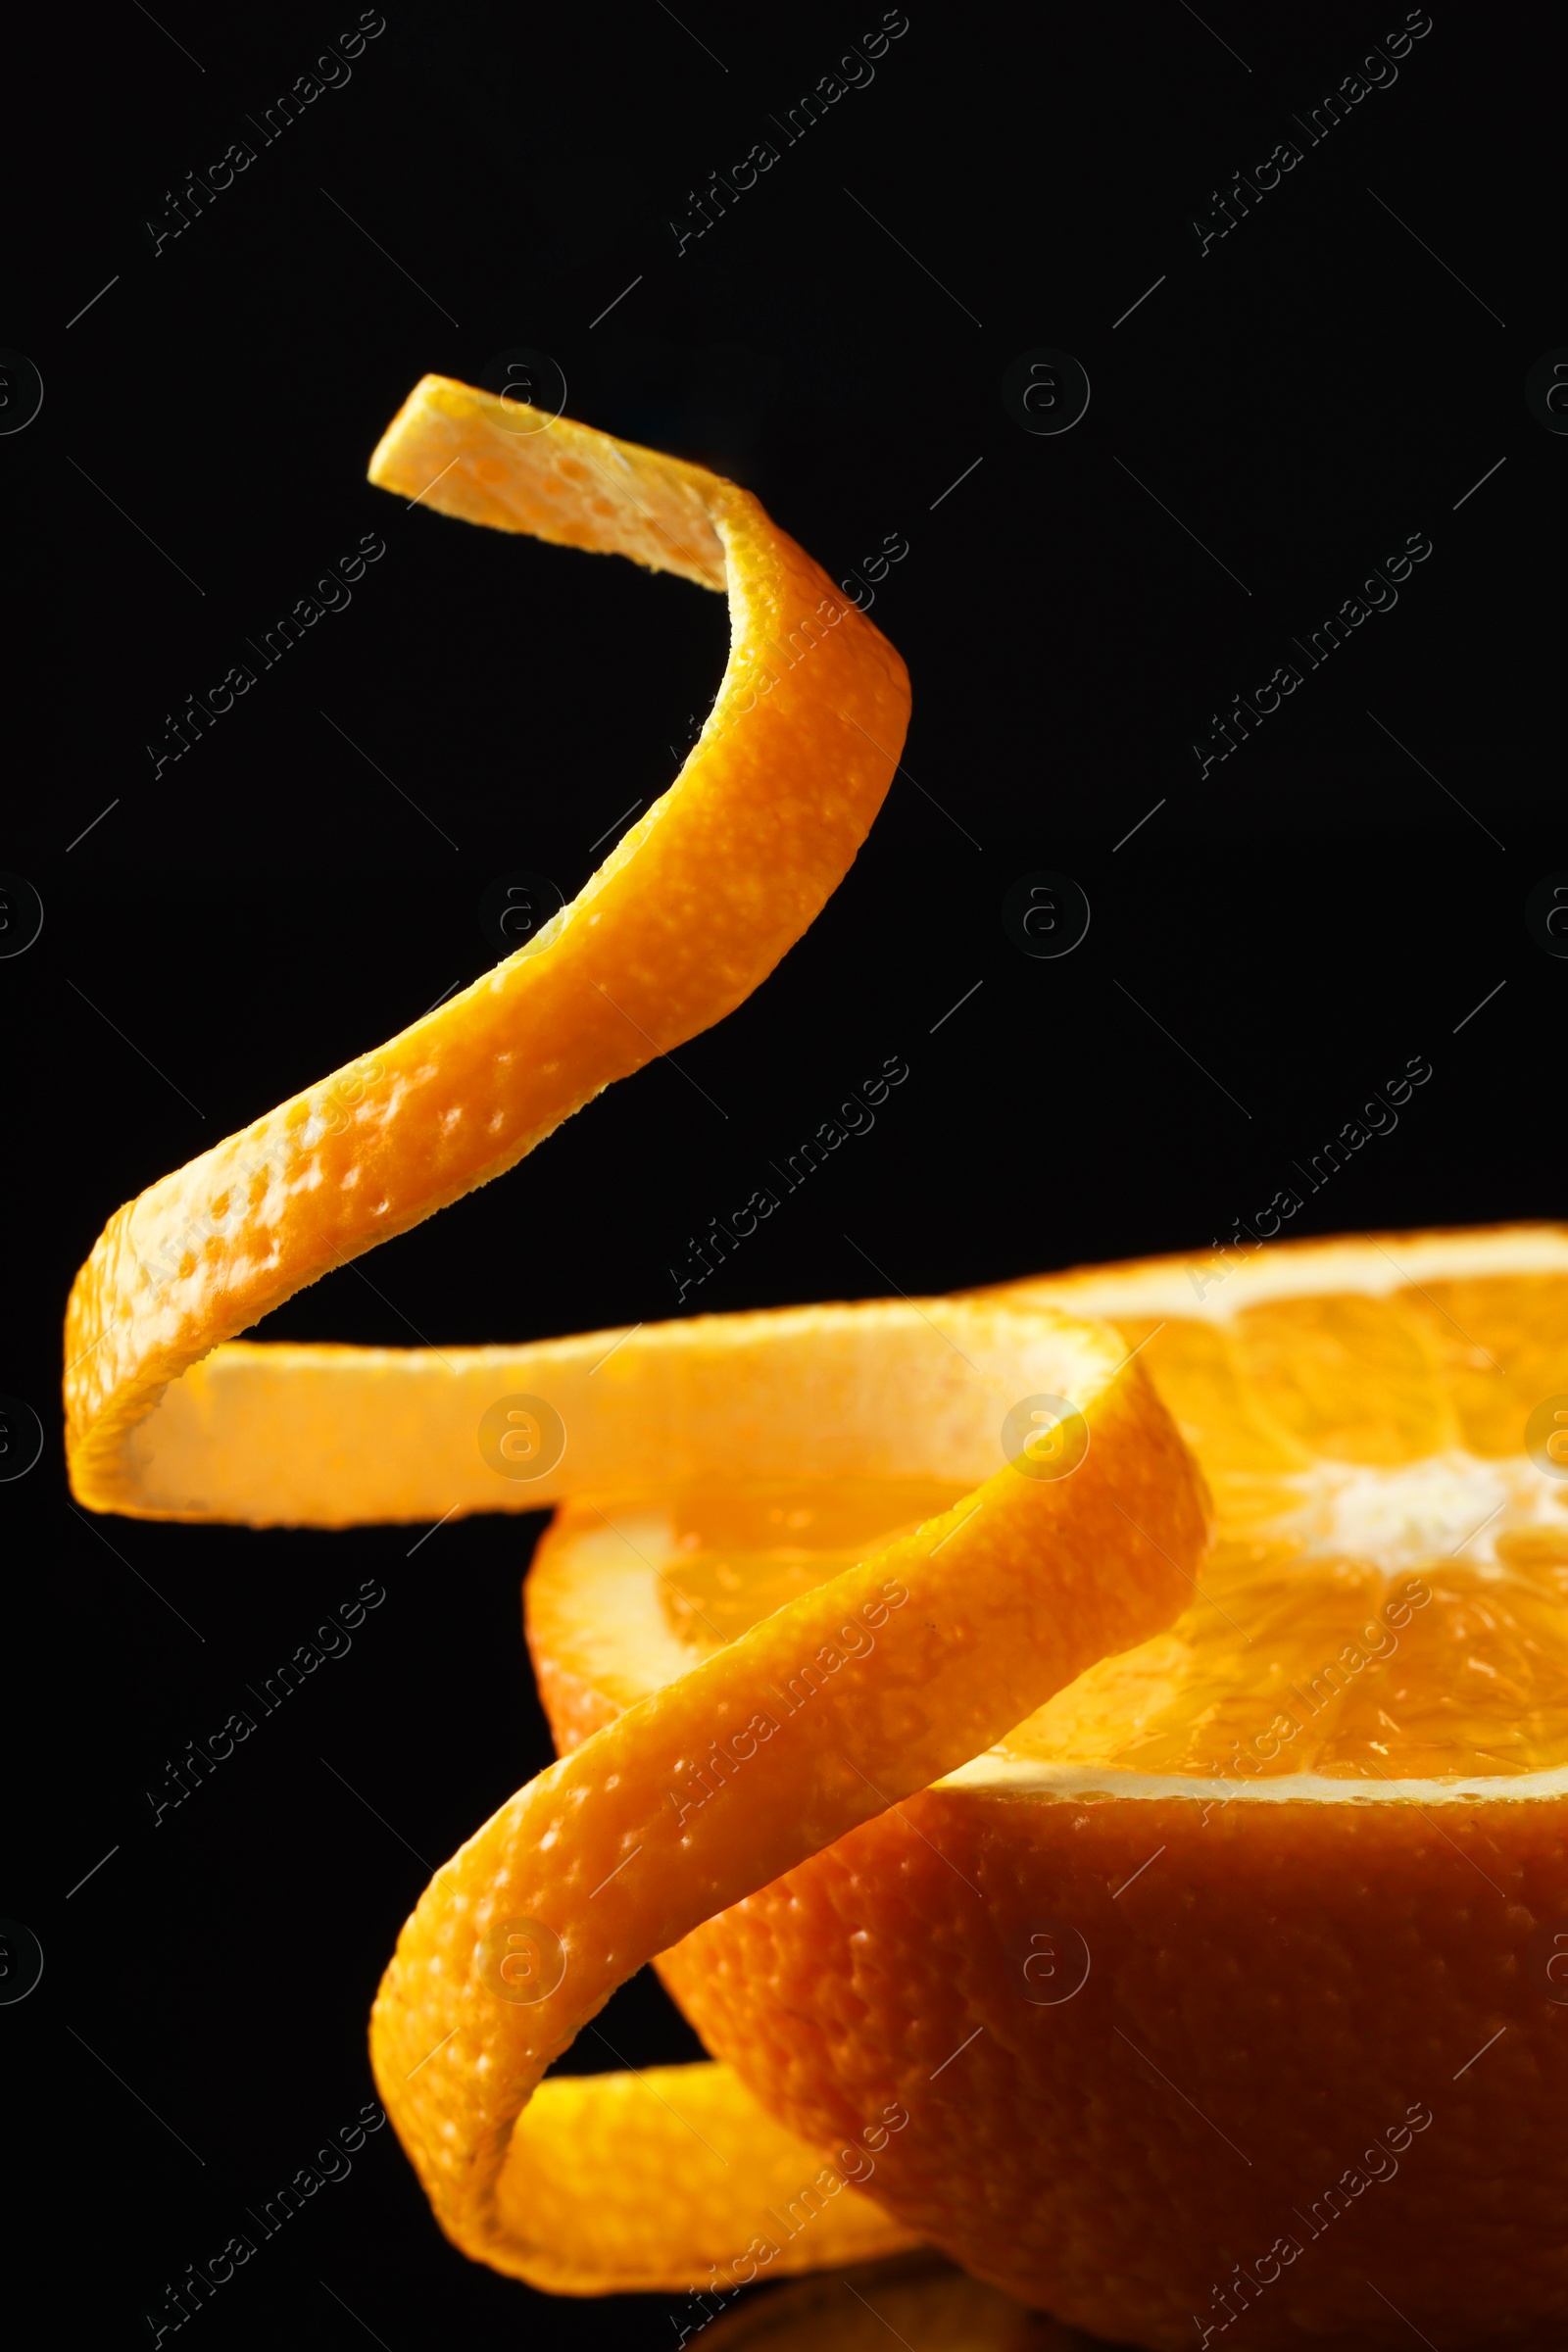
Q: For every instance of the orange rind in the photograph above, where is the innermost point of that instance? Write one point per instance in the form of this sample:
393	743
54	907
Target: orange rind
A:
693	908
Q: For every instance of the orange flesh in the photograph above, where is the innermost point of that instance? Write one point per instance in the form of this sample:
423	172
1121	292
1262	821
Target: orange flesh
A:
1388	1591
741	1553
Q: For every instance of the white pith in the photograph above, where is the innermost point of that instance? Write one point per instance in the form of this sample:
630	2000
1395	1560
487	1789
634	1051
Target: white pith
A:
1446	1506
995	1775
1213	1286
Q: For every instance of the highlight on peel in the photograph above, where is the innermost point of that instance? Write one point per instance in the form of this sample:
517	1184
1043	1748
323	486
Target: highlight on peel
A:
916	1655
689	912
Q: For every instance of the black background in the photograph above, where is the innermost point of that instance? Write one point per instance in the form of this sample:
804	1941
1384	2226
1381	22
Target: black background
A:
1278	939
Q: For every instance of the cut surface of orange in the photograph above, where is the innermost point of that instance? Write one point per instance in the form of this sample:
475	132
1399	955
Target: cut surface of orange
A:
1236	1975
1386	1600
691	908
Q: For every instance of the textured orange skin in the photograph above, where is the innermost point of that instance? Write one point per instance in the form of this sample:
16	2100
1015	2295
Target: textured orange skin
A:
692	909
1302	1973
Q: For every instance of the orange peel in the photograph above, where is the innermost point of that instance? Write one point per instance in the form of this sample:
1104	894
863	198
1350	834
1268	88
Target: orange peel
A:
925	1652
969	1622
694	907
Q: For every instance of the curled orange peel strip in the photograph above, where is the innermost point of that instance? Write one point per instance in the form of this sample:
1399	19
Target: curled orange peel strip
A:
629	2181
694	907
594	1868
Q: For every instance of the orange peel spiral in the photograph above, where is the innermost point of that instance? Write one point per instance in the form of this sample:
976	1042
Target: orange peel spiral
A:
694	907
630	2181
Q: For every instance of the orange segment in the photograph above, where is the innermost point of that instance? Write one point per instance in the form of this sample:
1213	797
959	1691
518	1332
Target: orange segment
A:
688	913
817	1718
1495	1340
1385	1595
1348	1377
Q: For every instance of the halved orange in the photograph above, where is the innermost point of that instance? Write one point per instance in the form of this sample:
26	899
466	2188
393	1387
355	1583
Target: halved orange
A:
1225	1994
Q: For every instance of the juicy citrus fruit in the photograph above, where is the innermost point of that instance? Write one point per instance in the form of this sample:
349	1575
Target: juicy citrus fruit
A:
1386	1600
1225	1994
693	908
